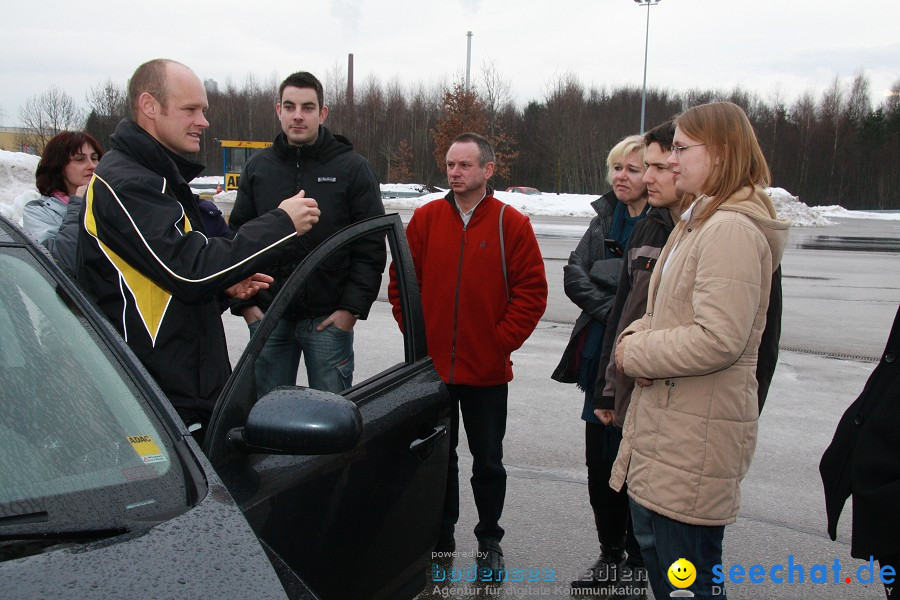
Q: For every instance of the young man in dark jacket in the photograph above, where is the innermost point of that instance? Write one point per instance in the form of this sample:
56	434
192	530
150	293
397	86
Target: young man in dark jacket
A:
646	242
307	157
145	257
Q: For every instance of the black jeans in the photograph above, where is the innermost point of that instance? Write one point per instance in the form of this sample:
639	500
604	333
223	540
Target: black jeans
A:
611	512
484	417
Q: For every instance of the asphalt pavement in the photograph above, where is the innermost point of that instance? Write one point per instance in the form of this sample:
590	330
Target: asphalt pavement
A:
840	298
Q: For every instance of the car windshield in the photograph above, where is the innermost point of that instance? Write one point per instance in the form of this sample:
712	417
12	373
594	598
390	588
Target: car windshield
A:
79	447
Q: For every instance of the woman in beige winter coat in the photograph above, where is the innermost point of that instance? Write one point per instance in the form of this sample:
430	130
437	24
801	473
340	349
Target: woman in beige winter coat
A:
690	432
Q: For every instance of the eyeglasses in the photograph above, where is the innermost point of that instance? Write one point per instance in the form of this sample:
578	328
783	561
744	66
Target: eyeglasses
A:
677	150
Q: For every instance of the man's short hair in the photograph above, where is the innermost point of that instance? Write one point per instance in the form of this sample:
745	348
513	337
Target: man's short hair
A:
150	77
661	134
485	150
303	79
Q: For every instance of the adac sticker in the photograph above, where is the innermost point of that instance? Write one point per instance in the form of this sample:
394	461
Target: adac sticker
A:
146	448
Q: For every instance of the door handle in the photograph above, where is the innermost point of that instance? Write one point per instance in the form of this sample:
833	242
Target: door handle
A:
422	447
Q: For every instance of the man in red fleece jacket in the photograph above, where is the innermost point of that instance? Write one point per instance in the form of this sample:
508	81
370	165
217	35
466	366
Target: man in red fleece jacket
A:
482	297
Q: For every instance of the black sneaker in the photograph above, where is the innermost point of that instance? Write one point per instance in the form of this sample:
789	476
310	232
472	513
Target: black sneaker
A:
490	561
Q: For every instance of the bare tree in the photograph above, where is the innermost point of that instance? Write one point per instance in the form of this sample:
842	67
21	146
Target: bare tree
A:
107	105
828	147
44	115
831	109
858	105
494	92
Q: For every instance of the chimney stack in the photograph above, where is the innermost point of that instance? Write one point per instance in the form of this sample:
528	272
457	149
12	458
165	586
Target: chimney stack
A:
350	79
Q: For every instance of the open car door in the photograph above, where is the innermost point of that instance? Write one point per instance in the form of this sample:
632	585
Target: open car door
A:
359	523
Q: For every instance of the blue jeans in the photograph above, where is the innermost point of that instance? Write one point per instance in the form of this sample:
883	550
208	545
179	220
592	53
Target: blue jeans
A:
663	541
484	417
327	354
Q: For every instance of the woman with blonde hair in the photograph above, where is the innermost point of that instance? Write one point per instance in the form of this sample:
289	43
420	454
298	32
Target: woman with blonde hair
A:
590	280
690	431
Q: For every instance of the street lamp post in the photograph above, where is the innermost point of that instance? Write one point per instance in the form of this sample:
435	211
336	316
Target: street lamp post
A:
469	56
648	4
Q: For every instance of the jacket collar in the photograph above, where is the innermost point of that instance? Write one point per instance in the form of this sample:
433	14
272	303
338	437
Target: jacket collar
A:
451	198
605	204
133	140
326	147
663	216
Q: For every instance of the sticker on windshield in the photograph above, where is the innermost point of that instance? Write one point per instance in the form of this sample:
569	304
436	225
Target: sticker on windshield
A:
146	448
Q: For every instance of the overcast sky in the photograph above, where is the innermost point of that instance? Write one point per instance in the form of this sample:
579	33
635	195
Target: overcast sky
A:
759	44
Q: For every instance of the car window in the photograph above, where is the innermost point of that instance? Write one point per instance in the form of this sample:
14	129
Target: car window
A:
377	353
78	443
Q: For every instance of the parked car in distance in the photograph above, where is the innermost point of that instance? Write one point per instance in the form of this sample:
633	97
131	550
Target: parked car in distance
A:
301	493
519	189
206	191
392	190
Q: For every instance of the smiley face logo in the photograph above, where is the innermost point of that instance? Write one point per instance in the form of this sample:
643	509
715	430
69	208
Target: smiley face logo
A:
682	573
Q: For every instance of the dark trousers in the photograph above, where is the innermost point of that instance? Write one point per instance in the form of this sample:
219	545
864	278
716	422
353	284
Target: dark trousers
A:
663	541
611	513
484	417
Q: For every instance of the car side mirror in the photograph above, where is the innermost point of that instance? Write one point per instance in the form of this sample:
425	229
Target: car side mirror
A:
297	420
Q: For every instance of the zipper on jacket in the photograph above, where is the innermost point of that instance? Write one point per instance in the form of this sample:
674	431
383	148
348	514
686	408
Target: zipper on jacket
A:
297	177
462	249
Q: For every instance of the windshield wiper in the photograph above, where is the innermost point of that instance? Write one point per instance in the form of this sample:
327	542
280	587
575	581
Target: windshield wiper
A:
21	544
41	516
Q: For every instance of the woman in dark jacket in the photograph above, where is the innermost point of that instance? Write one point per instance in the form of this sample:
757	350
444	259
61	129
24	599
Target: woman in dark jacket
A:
590	281
862	460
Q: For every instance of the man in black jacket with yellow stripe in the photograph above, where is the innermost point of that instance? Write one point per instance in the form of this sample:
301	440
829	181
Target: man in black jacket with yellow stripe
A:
144	255
319	325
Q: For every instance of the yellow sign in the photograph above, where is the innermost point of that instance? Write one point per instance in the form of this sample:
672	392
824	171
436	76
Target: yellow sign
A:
231	181
244	144
146	448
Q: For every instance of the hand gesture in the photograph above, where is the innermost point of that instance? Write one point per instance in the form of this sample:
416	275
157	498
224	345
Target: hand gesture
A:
249	287
303	211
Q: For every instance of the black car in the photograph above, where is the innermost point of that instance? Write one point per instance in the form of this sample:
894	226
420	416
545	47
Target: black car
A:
104	493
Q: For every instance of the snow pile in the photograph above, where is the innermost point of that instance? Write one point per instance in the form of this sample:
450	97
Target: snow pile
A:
790	207
840	211
579	205
559	205
16	177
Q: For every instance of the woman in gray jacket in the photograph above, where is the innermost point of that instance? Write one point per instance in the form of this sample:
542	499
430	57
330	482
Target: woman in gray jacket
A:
590	281
67	163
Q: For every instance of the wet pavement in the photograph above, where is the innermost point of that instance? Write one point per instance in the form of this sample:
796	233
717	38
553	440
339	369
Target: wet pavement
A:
838	308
